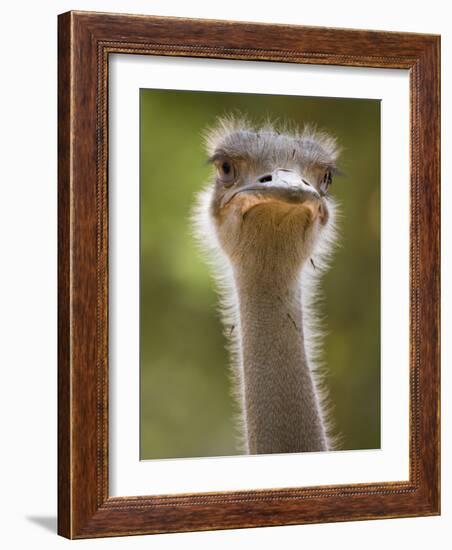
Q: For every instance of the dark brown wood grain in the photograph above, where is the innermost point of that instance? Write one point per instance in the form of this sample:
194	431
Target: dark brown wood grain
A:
85	508
64	296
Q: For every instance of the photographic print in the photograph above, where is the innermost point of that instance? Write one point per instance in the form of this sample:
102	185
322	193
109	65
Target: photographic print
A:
248	275
259	274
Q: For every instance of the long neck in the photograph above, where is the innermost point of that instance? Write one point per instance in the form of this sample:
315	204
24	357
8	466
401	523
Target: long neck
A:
281	407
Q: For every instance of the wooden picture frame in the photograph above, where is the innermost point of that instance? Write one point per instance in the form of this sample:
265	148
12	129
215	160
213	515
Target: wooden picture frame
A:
85	42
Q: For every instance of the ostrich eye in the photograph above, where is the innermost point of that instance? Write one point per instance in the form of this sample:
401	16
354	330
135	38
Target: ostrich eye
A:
327	180
226	173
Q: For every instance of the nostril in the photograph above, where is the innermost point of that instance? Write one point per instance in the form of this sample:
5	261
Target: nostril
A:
265	179
306	182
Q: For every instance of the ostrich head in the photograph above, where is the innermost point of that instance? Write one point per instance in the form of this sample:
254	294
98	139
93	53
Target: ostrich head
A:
269	200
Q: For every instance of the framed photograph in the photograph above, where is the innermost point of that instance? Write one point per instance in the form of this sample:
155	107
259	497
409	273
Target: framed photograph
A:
248	275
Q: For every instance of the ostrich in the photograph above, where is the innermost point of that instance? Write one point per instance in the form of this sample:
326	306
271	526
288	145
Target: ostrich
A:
268	223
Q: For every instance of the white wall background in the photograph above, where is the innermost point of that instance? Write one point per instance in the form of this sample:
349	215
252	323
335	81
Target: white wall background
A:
28	271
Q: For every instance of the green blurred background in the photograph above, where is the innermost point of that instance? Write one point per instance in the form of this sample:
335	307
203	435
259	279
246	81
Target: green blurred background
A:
186	404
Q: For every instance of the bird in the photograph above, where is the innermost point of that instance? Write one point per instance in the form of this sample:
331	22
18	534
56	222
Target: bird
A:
267	223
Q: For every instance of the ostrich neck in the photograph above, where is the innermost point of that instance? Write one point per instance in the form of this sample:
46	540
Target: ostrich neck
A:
281	407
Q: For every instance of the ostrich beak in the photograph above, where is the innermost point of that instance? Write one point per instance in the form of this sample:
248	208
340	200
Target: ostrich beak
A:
282	185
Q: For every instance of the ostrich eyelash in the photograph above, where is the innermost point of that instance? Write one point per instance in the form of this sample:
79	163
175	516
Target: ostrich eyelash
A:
328	178
213	158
